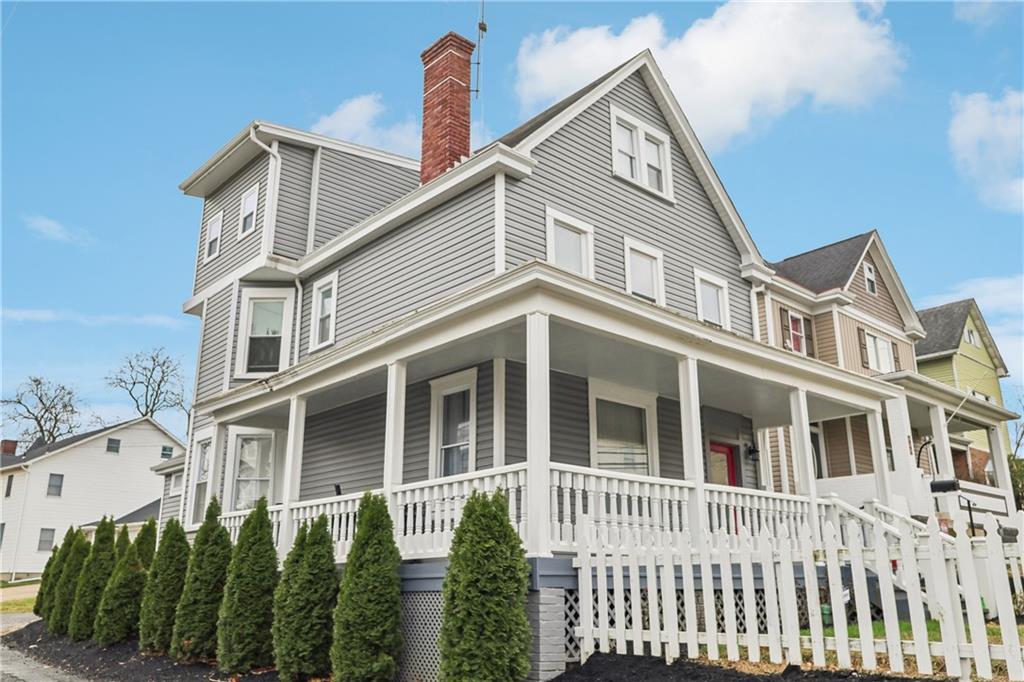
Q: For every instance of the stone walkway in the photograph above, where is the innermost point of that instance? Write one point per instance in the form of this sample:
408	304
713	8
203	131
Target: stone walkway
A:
17	667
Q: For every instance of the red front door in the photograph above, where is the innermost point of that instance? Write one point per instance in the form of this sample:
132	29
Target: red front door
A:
721	464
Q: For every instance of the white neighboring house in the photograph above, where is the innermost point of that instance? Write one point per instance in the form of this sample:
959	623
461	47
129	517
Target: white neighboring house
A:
75	481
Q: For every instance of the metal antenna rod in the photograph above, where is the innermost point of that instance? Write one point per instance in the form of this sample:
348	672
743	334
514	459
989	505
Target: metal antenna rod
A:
481	30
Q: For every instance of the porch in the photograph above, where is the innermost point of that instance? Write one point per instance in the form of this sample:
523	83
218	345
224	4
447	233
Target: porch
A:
639	419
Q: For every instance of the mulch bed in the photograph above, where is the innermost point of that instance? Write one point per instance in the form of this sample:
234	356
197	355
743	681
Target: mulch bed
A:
621	668
117	662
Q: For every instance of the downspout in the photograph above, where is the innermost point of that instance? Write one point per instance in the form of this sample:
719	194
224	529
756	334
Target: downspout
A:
298	318
270	211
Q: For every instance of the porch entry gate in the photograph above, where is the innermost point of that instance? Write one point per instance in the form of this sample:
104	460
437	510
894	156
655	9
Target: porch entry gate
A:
737	595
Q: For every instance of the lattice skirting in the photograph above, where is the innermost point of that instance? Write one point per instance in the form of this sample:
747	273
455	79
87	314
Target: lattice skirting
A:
421	628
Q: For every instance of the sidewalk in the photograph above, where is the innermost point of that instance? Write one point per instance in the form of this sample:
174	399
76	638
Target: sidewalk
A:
17	667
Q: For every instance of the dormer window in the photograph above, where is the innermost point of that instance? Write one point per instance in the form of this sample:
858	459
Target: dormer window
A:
213	230
640	154
247	211
869	279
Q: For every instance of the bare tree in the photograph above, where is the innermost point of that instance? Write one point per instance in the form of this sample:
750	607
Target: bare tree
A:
1016	453
44	409
152	379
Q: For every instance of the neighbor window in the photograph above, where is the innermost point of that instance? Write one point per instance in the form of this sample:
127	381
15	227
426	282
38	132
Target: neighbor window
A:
323	311
876	352
114	445
166	451
55	485
797	332
10	485
623	429
45	539
712	299
644	271
265	324
252	470
2	526
202	453
213	230
453	423
570	243
972	338
640	153
869	278
176	480
247	211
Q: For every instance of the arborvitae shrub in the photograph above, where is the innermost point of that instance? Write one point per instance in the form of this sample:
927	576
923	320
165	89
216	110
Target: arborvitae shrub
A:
145	542
163	589
117	617
92	581
48	585
244	628
195	618
484	631
283	626
37	605
367	621
304	613
121	546
64	596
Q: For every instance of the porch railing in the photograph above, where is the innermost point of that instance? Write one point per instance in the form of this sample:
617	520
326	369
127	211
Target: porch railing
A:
341	518
730	508
232	521
617	504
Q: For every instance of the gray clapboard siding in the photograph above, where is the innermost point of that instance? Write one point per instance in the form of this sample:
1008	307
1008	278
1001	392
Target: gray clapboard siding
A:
447	249
213	344
292	229
233	251
169	503
344	445
515	412
670	438
570	420
352	188
574	174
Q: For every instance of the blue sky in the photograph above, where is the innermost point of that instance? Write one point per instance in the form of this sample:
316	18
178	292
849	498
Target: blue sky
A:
836	119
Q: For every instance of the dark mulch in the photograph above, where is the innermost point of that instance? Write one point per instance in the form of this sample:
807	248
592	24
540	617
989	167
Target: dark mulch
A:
620	668
117	662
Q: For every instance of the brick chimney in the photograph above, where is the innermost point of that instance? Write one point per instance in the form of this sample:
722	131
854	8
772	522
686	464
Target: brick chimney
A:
8	447
446	72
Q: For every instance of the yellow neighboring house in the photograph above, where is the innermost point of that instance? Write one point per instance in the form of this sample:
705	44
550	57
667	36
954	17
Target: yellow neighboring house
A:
959	350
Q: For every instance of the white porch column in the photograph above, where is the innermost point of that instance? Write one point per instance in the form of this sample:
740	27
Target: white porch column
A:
906	477
803	456
538	435
292	471
693	446
394	433
879	456
217	486
1001	465
940	437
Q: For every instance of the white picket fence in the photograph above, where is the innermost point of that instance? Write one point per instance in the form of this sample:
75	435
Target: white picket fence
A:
765	594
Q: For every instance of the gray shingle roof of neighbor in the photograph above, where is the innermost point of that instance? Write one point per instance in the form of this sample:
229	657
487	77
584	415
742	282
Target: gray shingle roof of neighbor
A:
39	448
826	267
944	325
150	510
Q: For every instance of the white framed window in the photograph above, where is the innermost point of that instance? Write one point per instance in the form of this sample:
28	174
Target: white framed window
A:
114	445
176	481
453	424
201	460
879	353
264	327
712	298
641	153
253	470
324	308
55	485
869	279
166	451
971	336
623	428
645	271
213	236
570	242
247	211
46	536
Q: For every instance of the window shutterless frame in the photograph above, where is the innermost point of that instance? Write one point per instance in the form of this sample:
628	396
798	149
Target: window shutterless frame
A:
649	149
214	235
248	297
247	211
439	388
559	220
55	485
201	459
634	285
722	288
632	397
46	536
870	283
325	306
114	445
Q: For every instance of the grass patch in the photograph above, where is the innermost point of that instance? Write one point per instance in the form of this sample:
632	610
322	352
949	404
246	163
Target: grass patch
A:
17	605
995	636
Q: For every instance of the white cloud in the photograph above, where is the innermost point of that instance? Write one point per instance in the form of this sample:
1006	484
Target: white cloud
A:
52	230
358	120
980	13
1001	300
986	137
45	315
735	71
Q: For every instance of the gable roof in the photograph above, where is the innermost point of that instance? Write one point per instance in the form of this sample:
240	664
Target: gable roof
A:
41	449
150	510
945	324
826	267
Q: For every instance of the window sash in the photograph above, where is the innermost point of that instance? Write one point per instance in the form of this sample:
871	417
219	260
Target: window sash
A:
46	538
10	485
263	346
625	150
253	477
55	485
114	445
869	279
201	480
622	439
166	451
213	233
879	354
570	245
711	302
325	307
643	275
797	334
248	217
653	160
